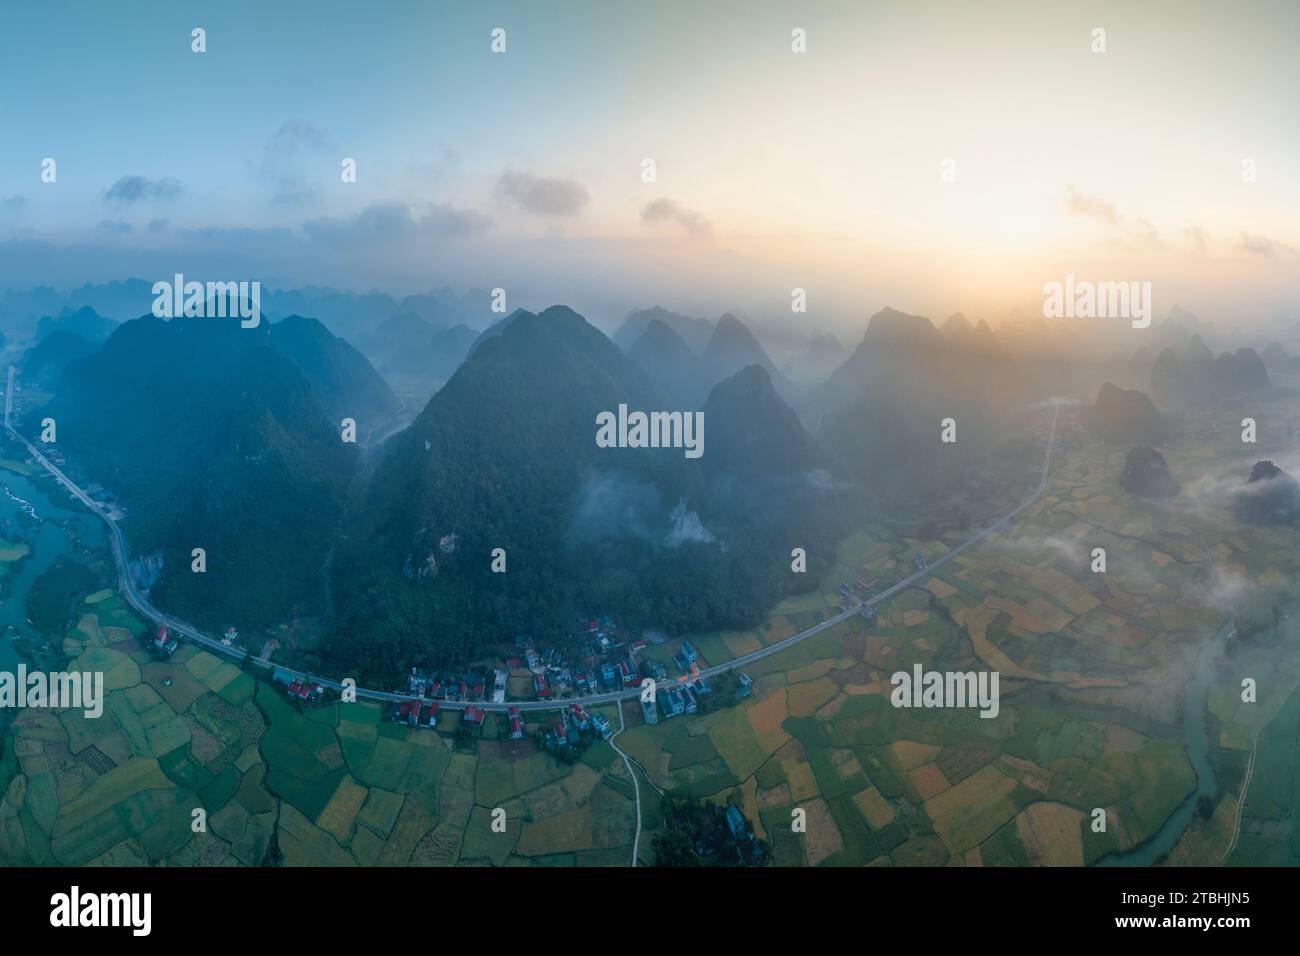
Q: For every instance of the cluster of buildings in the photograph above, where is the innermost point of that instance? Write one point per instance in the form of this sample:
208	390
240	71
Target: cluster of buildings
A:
456	686
686	698
574	726
599	661
297	687
424	713
851	596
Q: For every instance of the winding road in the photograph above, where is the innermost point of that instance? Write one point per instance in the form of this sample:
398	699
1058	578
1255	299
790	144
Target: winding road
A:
138	601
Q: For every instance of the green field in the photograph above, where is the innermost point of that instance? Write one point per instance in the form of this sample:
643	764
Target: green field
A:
330	785
1092	668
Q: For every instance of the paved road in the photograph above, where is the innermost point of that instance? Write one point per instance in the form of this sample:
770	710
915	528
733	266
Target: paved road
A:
121	555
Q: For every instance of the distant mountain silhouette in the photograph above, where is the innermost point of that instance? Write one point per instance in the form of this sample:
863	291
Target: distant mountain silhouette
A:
1166	371
694	332
732	347
1196	351
43	363
437	358
1239	371
345	382
85	322
395	336
1125	416
752	431
670	365
1198	375
881	410
114	300
823	354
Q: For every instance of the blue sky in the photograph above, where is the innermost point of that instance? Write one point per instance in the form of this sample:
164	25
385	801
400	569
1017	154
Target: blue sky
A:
774	170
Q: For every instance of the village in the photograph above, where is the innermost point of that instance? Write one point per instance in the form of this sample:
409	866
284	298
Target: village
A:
599	659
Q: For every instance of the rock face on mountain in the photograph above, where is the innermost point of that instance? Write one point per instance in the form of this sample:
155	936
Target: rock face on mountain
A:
505	456
1147	474
44	362
212	439
694	332
670	365
1270	497
1124	416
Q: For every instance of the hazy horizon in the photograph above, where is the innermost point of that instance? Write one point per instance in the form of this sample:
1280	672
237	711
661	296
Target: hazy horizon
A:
822	170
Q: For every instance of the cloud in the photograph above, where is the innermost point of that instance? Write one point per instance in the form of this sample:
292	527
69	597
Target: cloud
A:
665	210
133	189
1145	234
1227	591
543	196
13	203
401	222
615	505
1197	239
1132	233
1264	247
294	136
114	226
1070	549
287	159
1077	204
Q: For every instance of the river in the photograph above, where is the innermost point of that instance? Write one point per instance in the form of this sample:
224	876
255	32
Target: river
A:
58	529
1194	734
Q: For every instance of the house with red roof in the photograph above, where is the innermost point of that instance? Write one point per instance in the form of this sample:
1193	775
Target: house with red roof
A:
163	644
579	717
305	690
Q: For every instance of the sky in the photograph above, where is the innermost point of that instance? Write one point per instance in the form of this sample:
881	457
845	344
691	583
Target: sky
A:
932	156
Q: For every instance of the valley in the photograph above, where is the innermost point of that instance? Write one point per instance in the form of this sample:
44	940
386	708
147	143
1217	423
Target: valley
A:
1092	679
